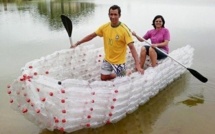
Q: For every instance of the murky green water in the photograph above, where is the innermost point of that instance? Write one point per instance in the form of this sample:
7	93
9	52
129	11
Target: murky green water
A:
32	29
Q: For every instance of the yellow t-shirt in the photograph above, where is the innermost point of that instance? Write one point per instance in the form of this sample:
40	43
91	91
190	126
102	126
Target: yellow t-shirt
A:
116	40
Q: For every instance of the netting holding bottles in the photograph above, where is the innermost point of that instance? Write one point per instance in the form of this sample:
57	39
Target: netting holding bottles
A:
63	90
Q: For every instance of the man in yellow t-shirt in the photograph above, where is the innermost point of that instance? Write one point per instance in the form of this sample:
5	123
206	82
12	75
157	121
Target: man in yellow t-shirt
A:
117	37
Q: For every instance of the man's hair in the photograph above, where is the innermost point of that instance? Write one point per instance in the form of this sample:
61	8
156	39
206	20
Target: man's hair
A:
156	17
114	7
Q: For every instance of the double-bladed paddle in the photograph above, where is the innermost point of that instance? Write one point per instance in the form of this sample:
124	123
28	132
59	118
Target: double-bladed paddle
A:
68	25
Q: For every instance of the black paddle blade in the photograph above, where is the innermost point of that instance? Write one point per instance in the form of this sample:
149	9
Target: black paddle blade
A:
198	75
67	24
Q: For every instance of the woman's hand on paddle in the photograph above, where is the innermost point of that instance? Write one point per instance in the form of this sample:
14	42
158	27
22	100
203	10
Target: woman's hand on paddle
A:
154	45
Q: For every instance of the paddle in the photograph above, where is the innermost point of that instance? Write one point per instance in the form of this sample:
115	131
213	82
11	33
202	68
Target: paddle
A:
68	25
192	71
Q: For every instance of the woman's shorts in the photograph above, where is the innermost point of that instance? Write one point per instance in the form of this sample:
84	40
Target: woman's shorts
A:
160	55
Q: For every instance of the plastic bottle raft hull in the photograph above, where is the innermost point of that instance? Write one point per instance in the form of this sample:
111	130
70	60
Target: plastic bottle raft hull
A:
63	90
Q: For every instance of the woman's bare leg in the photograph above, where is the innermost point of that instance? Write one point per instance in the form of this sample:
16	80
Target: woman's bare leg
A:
142	56
153	56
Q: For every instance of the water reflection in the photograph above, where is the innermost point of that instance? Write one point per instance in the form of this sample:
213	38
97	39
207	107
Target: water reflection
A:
193	101
50	10
142	120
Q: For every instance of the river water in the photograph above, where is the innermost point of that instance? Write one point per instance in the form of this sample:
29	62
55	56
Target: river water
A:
32	29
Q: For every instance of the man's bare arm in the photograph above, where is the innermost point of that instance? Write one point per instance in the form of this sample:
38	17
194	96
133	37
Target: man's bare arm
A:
85	39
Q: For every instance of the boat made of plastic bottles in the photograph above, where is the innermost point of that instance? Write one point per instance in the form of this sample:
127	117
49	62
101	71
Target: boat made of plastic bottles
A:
63	90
